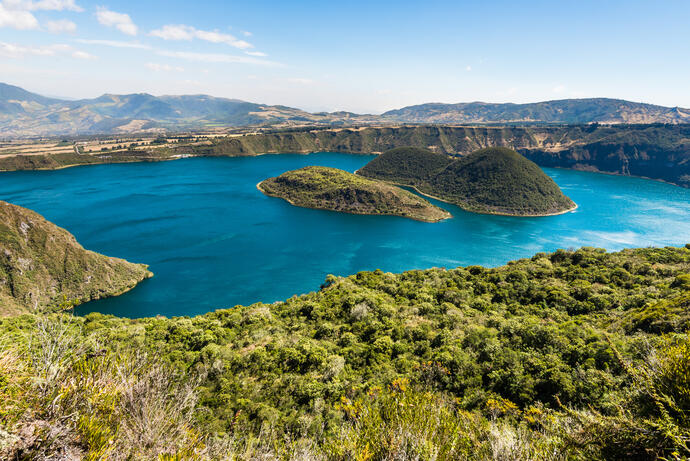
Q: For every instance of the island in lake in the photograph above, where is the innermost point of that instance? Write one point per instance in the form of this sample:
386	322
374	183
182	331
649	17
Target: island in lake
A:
43	267
337	190
494	180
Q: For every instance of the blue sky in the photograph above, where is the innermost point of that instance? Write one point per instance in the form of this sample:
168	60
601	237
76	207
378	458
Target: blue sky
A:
363	56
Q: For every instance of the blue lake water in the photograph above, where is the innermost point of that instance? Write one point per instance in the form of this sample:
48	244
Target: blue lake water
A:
214	241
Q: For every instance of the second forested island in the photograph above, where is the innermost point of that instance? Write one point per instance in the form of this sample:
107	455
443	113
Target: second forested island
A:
494	180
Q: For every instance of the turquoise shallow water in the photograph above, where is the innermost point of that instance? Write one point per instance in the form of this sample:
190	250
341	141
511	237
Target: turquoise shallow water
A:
213	240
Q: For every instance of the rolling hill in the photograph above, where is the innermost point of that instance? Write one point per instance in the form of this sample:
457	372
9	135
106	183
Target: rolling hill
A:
566	111
25	114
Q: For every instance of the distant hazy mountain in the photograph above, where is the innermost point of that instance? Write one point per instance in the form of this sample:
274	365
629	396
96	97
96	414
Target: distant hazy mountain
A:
27	114
571	111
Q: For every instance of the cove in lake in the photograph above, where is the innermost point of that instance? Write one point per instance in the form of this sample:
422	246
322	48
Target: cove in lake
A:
214	241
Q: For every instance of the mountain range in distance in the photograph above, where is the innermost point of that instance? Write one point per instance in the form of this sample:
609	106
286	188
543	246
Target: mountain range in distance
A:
26	114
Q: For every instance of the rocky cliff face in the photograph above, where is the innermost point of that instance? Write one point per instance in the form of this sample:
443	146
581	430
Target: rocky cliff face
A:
42	266
652	151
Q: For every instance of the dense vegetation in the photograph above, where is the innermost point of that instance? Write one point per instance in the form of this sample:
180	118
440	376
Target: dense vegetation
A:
653	151
492	180
571	355
42	265
338	190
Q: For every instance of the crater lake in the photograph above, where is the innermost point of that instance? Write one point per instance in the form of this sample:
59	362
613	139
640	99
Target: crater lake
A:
214	241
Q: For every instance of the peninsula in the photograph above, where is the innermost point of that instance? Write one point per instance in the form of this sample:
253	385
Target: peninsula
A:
43	267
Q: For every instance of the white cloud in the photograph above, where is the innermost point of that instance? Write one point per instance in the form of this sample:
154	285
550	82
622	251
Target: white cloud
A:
61	26
172	32
468	68
120	21
184	32
558	89
12	50
217	58
114	43
301	81
52	5
83	55
17	19
246	33
256	53
163	67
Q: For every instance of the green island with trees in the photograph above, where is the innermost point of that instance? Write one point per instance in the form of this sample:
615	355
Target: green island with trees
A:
493	180
337	190
577	354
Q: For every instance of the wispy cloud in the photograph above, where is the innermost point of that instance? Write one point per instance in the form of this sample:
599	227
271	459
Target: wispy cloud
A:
558	89
217	58
184	32
83	55
163	67
114	43
12	50
17	19
256	53
301	81
61	26
50	5
120	21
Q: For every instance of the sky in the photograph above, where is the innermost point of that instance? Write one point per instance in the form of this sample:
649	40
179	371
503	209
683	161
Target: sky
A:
360	56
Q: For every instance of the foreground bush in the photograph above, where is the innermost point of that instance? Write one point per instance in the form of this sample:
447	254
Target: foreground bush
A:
572	355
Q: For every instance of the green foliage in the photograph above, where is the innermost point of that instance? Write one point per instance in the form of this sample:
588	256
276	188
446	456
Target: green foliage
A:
545	358
405	165
499	180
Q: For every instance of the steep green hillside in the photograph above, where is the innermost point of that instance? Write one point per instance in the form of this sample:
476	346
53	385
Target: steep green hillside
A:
43	266
571	355
405	165
498	180
492	180
337	190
